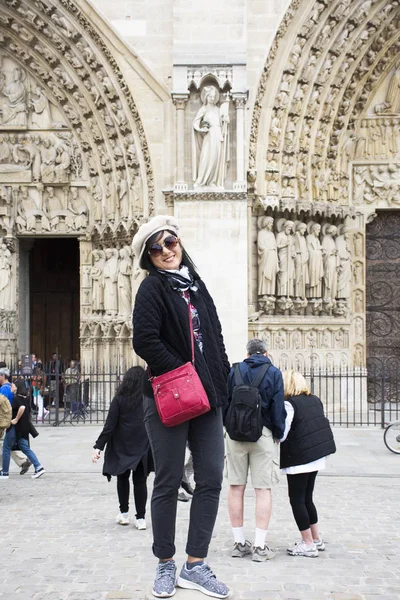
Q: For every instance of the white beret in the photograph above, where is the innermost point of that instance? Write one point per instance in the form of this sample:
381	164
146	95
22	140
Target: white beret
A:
145	231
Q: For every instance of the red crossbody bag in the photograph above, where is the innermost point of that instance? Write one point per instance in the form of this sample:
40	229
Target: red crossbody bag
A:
179	394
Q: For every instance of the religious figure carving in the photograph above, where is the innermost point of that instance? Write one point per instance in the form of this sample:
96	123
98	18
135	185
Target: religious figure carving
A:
358	301
344	258
41	115
315	262
267	257
77	207
97	195
331	263
110	282
27	211
211	147
5	277
301	260
97	275
48	158
30	147
124	282
63	164
14	112
286	256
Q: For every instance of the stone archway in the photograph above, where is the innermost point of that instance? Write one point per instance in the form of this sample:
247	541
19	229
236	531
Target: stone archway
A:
323	143
74	159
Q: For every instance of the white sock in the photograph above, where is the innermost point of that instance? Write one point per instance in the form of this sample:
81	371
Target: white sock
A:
238	535
259	539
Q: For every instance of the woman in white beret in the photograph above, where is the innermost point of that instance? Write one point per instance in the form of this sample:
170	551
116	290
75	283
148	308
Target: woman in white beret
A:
161	336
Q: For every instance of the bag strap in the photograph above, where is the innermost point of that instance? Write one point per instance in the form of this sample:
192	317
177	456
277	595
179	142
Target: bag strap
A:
260	375
191	329
238	375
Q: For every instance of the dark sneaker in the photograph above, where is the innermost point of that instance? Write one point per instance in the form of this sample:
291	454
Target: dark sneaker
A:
25	467
203	579
262	554
3	475
187	487
38	473
241	550
164	583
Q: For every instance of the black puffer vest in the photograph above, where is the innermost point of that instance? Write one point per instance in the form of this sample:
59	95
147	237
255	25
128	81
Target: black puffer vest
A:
310	436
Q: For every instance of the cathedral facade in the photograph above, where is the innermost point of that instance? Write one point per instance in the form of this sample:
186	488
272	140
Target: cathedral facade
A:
270	129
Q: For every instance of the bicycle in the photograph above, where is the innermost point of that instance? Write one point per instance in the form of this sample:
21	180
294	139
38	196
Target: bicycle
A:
391	437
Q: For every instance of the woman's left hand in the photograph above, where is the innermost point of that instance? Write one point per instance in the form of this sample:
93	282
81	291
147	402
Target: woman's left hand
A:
96	456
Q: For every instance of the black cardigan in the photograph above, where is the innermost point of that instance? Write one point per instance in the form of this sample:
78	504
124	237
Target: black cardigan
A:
161	335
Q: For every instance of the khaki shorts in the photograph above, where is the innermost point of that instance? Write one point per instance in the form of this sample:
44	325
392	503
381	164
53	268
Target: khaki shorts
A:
262	457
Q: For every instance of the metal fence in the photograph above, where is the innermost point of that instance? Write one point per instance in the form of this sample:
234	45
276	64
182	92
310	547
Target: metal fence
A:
351	397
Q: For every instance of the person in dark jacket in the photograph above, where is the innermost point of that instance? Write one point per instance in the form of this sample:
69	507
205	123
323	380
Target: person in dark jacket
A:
261	457
161	336
307	441
128	448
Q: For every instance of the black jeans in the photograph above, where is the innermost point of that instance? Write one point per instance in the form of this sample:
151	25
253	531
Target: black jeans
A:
300	488
168	444
139	490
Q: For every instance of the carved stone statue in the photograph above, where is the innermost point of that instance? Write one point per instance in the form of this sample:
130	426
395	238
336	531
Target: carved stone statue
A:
97	195
301	260
15	108
48	156
110	282
267	257
344	258
97	275
63	164
286	256
331	263
41	115
392	101
211	140
315	262
27	211
5	277
124	282
78	217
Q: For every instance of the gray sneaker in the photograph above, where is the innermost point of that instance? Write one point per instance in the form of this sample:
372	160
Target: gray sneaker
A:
320	544
262	554
303	549
203	579
241	550
164	583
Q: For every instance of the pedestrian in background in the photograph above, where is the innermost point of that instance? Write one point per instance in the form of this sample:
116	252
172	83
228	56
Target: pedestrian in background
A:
307	441
127	446
172	294
260	456
38	385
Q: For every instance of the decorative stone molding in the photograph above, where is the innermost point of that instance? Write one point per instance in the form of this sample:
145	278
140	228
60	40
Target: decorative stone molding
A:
171	196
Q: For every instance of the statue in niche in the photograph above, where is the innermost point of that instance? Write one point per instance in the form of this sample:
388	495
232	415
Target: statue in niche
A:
358	357
392	101
41	115
77	207
344	258
5	277
286	256
63	164
97	195
358	244
123	196
358	301
315	262
48	157
110	282
301	260
330	261
5	150
211	147
14	112
124	282
97	275
358	272
267	257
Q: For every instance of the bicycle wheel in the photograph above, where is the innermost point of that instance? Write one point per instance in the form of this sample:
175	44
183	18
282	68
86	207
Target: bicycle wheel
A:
391	437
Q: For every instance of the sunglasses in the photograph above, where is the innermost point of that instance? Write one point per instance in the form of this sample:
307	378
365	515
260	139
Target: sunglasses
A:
170	243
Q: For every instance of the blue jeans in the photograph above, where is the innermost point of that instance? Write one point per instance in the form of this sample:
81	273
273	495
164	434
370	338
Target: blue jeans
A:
9	441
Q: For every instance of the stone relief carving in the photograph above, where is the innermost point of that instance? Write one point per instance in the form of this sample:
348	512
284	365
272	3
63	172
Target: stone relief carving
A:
14	109
110	282
210	146
392	101
97	275
377	184
5	277
124	282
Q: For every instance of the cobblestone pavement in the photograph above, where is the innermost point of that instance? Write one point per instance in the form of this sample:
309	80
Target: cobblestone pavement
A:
59	540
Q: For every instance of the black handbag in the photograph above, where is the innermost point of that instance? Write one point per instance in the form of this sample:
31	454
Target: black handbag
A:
32	430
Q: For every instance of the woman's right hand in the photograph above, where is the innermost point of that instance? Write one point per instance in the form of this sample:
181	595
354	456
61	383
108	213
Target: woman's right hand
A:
96	456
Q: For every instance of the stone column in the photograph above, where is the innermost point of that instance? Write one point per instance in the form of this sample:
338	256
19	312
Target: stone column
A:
240	184
25	247
85	254
180	101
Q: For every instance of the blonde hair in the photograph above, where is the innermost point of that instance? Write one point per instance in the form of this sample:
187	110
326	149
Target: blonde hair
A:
294	384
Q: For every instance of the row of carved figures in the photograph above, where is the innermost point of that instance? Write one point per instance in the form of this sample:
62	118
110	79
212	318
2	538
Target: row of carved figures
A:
111	279
295	261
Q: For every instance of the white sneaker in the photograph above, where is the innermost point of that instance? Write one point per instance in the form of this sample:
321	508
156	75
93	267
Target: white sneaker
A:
38	473
123	519
303	549
140	524
320	544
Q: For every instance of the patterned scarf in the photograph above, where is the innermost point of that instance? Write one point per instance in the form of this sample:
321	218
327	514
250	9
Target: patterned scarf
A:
180	279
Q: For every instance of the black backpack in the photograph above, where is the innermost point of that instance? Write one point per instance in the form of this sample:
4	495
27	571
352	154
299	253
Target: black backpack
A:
243	419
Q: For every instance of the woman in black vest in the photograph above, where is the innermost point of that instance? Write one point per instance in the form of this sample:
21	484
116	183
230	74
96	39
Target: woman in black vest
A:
161	336
306	443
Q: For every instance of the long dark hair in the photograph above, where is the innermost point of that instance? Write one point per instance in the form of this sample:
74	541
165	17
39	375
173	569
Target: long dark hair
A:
21	388
186	260
132	385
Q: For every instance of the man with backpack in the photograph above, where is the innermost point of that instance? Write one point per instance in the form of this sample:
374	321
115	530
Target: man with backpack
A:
255	422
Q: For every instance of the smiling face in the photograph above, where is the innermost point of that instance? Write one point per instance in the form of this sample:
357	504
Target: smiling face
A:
169	259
